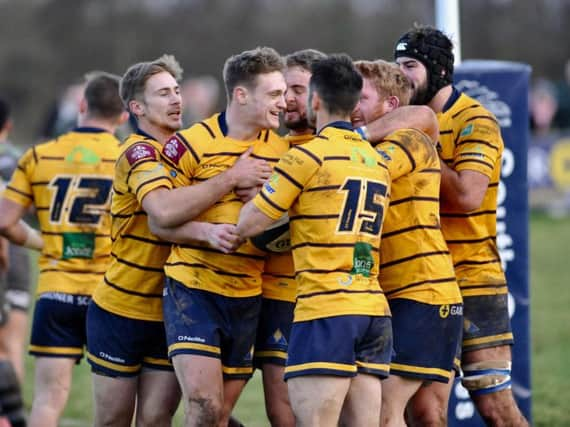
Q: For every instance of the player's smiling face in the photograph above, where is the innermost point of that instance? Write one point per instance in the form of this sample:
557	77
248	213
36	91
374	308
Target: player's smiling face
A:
370	105
162	103
296	96
268	100
416	72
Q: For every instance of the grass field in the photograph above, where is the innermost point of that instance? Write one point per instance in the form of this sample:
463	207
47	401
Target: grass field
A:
550	311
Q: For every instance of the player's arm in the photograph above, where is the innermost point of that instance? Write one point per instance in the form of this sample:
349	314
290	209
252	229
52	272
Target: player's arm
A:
411	116
462	190
222	237
14	229
252	221
478	148
169	208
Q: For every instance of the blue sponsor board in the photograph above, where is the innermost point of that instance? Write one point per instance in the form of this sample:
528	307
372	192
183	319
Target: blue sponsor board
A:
502	87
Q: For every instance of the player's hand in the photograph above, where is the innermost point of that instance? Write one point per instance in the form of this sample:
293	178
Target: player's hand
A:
249	172
246	194
224	237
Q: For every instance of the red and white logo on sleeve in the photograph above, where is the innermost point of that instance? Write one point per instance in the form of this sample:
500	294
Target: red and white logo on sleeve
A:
174	149
139	152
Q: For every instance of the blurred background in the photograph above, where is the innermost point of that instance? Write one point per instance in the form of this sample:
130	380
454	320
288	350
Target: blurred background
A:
48	45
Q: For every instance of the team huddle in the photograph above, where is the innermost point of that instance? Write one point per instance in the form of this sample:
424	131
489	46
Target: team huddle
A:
352	260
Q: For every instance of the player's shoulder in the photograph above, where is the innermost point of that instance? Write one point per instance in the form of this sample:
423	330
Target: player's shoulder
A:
137	148
204	131
467	108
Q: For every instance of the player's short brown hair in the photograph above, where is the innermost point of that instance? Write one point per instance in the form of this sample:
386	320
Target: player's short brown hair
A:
134	80
102	95
388	79
304	58
243	68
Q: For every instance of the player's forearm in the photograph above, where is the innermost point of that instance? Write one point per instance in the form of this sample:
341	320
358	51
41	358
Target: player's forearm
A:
461	191
22	234
190	232
411	116
252	221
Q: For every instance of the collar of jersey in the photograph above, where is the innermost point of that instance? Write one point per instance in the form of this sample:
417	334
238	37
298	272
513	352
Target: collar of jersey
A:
455	94
222	123
146	135
87	129
338	125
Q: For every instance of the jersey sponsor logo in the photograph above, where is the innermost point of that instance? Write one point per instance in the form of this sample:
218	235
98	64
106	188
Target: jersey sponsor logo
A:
359	155
273	180
174	149
82	155
139	152
362	259
467	130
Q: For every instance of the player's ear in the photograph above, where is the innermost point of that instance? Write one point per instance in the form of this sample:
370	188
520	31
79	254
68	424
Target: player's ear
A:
392	102
315	101
136	107
241	94
83	106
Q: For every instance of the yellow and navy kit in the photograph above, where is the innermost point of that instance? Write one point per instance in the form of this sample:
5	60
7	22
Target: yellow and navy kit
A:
335	189
69	181
414	259
470	139
132	286
279	271
198	154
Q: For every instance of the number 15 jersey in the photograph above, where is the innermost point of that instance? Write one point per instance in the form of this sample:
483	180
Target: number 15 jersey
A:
69	181
335	189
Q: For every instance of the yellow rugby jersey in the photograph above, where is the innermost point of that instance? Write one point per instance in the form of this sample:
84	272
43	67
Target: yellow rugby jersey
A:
69	181
278	279
200	153
470	139
132	286
335	189
414	260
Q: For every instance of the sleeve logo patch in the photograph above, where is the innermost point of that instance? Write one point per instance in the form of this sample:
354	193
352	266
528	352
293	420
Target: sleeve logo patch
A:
467	130
139	152
174	149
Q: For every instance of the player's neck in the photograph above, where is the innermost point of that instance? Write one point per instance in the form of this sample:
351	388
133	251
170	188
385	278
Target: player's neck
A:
162	135
239	127
440	98
97	123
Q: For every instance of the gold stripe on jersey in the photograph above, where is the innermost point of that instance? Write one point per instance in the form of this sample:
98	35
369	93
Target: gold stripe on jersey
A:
470	139
70	180
278	280
415	262
334	188
200	153
132	286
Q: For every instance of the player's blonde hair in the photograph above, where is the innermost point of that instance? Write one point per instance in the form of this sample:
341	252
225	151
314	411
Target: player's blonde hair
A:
134	80
387	78
243	68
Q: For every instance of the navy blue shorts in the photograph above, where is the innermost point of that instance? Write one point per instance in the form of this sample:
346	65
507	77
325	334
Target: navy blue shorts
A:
426	338
118	346
486	322
341	346
273	332
58	327
208	324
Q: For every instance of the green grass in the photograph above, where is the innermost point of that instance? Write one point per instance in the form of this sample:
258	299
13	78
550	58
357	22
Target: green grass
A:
550	272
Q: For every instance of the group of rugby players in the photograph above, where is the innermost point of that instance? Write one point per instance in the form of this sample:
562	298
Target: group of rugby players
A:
391	285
